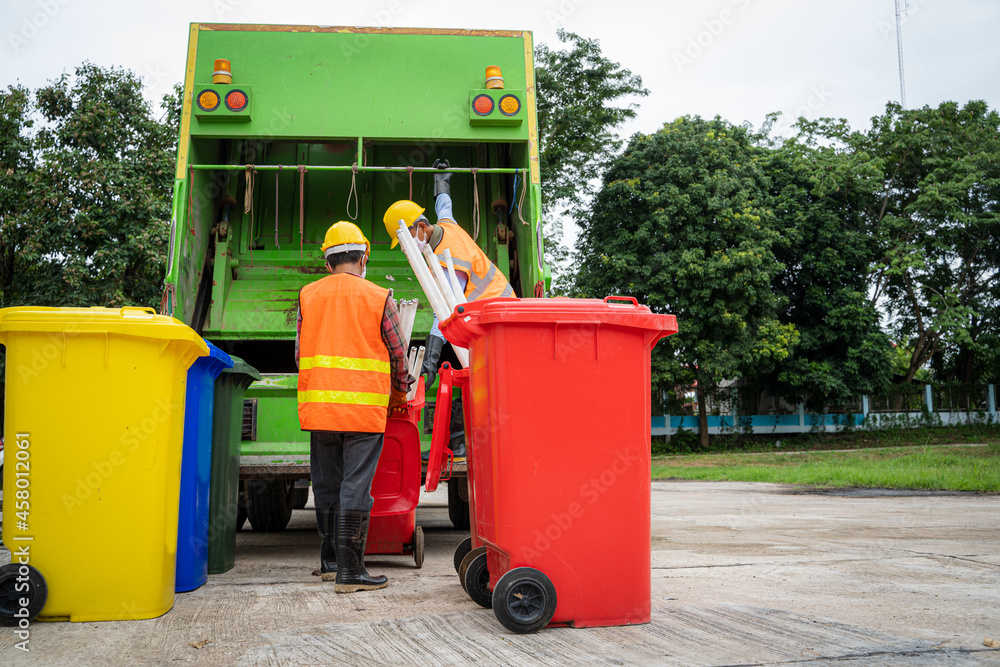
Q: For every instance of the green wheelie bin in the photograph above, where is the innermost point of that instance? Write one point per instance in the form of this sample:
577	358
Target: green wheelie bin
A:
230	388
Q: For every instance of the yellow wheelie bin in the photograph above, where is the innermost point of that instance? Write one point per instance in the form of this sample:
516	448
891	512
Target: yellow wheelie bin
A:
94	425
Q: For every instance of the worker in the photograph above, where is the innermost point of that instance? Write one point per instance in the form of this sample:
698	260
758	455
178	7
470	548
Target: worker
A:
478	277
352	373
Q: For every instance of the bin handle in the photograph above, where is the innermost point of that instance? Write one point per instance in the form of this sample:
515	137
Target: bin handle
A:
609	299
137	311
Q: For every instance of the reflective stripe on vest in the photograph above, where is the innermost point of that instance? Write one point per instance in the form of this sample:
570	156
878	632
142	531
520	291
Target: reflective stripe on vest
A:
485	281
344	369
349	363
344	397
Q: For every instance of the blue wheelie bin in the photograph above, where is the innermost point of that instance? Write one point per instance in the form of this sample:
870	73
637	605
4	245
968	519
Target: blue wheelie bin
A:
196	470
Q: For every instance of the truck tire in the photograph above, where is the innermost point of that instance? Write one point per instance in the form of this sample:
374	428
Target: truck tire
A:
241	508
458	509
300	496
269	503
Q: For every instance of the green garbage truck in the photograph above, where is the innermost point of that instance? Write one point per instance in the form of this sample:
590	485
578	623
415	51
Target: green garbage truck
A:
287	129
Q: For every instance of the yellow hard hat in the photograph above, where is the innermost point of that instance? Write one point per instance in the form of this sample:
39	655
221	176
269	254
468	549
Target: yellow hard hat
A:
344	237
407	211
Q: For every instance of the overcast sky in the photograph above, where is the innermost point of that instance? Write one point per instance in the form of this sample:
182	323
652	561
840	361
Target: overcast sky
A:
739	59
736	58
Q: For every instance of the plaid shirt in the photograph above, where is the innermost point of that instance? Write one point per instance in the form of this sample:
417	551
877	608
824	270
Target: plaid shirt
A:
391	336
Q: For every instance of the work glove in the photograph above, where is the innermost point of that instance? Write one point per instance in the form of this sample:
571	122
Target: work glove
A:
442	181
432	358
397	399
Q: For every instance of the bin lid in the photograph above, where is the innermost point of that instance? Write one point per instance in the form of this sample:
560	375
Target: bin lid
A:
468	319
127	321
217	360
241	367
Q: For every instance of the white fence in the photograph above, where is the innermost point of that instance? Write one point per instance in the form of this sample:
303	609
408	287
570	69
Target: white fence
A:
803	422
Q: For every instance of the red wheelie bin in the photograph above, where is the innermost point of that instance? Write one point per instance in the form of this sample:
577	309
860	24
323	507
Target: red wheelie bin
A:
558	414
396	486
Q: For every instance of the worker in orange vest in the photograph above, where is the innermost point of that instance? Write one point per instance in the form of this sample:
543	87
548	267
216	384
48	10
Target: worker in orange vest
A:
352	372
478	277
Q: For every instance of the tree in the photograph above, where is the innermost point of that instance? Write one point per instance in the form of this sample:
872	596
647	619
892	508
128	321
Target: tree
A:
17	175
577	101
682	223
90	224
820	194
938	223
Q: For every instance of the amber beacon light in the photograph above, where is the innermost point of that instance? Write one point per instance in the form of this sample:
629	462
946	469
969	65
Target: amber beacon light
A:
223	71
494	79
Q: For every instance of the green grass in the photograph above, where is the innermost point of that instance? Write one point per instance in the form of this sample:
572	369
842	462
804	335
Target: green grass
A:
686	442
955	468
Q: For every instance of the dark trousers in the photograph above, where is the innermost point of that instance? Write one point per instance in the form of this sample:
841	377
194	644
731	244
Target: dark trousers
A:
342	465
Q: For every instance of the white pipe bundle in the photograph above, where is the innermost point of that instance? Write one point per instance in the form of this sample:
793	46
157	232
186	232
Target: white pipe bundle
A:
427	282
440	278
410	359
417	364
455	285
407	315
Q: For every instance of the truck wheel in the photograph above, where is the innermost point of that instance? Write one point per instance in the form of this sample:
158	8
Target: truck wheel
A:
301	496
241	508
477	582
458	509
269	503
524	600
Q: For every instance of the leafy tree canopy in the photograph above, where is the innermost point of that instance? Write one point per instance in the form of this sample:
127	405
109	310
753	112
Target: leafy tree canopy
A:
86	221
682	223
580	104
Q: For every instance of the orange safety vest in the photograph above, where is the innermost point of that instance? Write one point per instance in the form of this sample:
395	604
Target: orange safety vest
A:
485	281
344	372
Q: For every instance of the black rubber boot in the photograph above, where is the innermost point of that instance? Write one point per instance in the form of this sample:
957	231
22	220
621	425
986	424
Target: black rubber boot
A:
352	536
326	524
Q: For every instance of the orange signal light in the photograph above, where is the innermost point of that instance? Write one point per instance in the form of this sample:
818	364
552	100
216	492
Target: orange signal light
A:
223	71
494	79
236	100
483	105
509	105
208	100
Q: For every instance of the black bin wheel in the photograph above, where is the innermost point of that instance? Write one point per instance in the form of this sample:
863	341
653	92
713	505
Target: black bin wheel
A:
13	577
466	562
524	600
464	547
477	582
418	547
